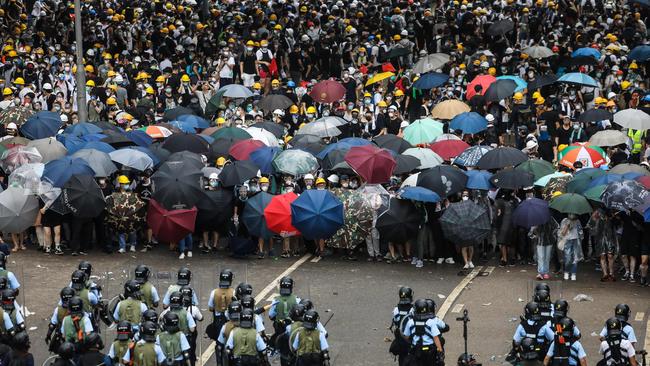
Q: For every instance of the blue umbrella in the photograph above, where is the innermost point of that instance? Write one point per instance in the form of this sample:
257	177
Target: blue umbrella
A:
207	138
253	215
41	125
420	194
631	175
605	179
471	155
586	52
431	80
139	137
577	78
640	53
469	122
57	172
479	179
186	127
521	83
98	145
343	144
317	214
263	158
195	121
72	143
531	212
82	128
646	215
93	137
154	157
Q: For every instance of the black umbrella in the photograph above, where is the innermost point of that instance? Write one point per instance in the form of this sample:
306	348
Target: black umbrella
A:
107	126
186	142
582	60
117	139
477	100
221	147
332	158
237	173
512	179
501	157
187	157
446	180
595	115
542	81
392	142
272	102
499	90
276	129
465	222
216	210
310	143
83	197
396	52
501	27
174	113
406	164
178	185
161	153
400	222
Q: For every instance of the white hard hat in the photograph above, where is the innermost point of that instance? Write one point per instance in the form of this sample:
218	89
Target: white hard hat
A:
531	144
611	95
333	178
47	86
308	176
64	118
489	117
404	32
213	176
118	78
404	124
485	64
279	112
12	126
509	51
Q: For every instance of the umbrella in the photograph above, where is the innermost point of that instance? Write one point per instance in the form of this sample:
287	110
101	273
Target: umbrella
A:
542	81
13	141
133	159
263	158
582	179
624	195
545	180
49	148
635	119
608	138
99	162
629	168
419	194
235	91
556	184
579	79
343	144
17	115
125	211
392	142
231	133
449	149
596	114
150	153
310	143
276	129
253	215
317	214
57	172
465	222
640	53
594	193
521	83
445	180
237	173
586	52
422	131
83	197
499	90
400	222
157	132
117	139
427	158
178	185
42	124
196	121
170	225
538	52
185	127
469	123
605	180
571	203
183	141
373	164
17	156
327	91
70	143
27	176
500	27
396	52
405	164
471	155
531	212
430	80
448	109
18	210
272	102
97	145
588	156
537	167
321	128
278	215
478	179
82	128
295	162
430	62
358	215
512	179
174	113
479	85
581	60
379	77
188	158
501	157
216	210
242	149
263	135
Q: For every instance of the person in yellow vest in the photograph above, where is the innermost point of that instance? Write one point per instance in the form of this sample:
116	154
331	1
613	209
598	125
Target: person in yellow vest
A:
233	314
173	342
638	144
131	308
310	344
245	345
149	292
146	352
60	312
220	299
123	343
76	326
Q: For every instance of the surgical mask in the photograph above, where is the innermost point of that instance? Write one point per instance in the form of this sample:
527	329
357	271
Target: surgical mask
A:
265	188
249	49
354	185
576	126
126	187
465	198
249	108
391	114
102	181
326	113
264	49
168	90
288	189
67	69
345	185
320	188
214	183
309	115
367	101
565	100
159	85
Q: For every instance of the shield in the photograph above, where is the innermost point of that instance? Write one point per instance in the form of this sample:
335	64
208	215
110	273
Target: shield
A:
448	109
83	197
170	226
624	195
253	215
18	210
465	222
178	185
317	214
445	180
237	173
125	211
374	165
278	215
327	91
400	222
531	212
295	162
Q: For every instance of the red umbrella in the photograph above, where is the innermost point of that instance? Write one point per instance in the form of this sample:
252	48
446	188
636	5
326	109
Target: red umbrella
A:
448	149
484	81
278	214
375	165
170	225
327	91
241	150
644	180
387	66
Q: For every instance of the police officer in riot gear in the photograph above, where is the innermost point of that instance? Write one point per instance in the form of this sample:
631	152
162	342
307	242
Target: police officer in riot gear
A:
532	326
565	349
399	346
11	278
183	278
220	299
123	343
622	313
561	310
616	351
424	336
233	314
131	308
76	326
173	342
245	345
543	300
147	289
146	352
242	289
309	344
53	337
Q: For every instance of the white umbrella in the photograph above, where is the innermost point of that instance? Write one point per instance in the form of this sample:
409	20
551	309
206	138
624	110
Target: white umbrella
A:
411	181
430	62
428	158
49	147
635	119
608	138
27	176
445	137
538	52
260	134
235	91
18	210
132	158
99	161
321	128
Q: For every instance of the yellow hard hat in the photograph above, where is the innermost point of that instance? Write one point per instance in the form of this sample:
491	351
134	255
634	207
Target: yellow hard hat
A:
367	95
12	53
111	74
160	79
382	104
303	9
277	27
264	43
200	26
311	110
536	95
111	101
250	43
625	84
524	55
525	10
273	17
89	68
462	66
492	71
540	101
185	78
221	161
399	93
107	56
556	193
123	179
562	147
397	37
19	81
275	82
149	90
221	120
633	65
518	96
320	181
7	91
257	86
600	100
293	109
90	83
264	180
459	46
362	49
287	138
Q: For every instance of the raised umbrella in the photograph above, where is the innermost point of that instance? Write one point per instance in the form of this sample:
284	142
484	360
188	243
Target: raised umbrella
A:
49	148
428	158
116	139
82	128
373	164
97	145
18	210
99	162
512	179
42	124
545	180
405	164
400	222
241	150
538	52
133	159
185	127
537	167
188	158
430	80
448	109
624	195
595	114
635	119
479	85
501	157
186	142
531	212
392	142
150	153
170	225
27	176
578	79
157	132
343	144
17	156
419	194
542	81
571	203
430	62
310	143
608	138
379	77
521	83
295	162
556	184
471	155
174	113
276	129
253	215
221	146
479	179
327	91
629	168
334	158
499	90
469	123
588	156
231	133
57	172
272	102
125	211
500	27
83	197
465	222
263	158
14	141
586	52
422	131
264	135
196	121
216	210
323	127
643	179
449	149
594	193
445	180
237	173
317	214
640	53
235	91
278	215
178	185
581	60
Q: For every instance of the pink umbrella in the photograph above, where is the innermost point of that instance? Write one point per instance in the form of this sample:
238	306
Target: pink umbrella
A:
241	150
373	164
327	91
19	155
448	149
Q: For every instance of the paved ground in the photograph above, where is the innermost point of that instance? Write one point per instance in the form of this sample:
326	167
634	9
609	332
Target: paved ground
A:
354	298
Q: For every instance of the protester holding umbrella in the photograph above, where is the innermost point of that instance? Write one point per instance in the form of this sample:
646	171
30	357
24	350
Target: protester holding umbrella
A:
569	237
505	205
51	222
603	235
125	188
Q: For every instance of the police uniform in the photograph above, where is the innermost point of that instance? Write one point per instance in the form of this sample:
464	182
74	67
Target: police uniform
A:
626	351
173	345
281	306
576	353
130	310
245	344
186	321
144	353
149	294
70	333
7	324
12	281
308	344
219	300
540	331
174	288
119	349
627	333
422	335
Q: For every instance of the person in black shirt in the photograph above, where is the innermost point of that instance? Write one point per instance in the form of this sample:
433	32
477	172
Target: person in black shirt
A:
295	63
394	121
563	134
350	87
144	190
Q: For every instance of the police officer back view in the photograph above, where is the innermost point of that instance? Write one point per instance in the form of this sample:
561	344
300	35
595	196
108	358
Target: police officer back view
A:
310	344
245	345
400	347
616	350
622	313
423	335
565	349
220	299
173	342
533	326
146	352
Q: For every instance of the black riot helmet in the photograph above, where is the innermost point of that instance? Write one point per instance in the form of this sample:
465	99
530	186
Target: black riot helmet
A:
297	312
234	310
188	294
76	305
8	299
622	312
93	340
247	302
67	350
420	309
310	320
246	319
78	280
532	311
65	295
528	349
561	308
225	278
148	331
431	307
86	267
542	286
21	341
142	273
4	283
150	316
543	299
243	289
124	330
286	286
3	260
175	300
567	326
307	303
614	328
405	295
184	276
170	322
132	289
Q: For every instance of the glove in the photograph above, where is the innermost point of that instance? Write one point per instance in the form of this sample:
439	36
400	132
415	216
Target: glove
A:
235	219
50	330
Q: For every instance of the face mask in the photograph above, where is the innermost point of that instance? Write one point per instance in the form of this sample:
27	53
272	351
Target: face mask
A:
126	187
159	85
354	185
391	114
367	101
326	113
465	198
102	181
264	49
168	90
67	69
565	100
214	183
321	188
575	127
265	188
345	185
288	189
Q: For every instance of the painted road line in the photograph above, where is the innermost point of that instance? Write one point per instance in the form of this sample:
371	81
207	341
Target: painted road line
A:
209	351
457	308
647	336
639	316
456	292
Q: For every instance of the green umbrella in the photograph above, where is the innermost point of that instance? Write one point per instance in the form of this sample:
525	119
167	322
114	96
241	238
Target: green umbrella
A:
295	162
423	131
594	193
214	103
571	203
582	179
537	167
231	133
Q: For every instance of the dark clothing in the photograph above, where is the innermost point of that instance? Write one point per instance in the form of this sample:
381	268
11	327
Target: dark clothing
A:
564	135
91	358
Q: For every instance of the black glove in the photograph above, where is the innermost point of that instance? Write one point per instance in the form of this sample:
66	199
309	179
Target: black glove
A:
50	330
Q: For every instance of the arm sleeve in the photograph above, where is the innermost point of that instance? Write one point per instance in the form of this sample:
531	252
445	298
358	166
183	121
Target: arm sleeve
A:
221	339
261	346
159	354
230	342
55	319
576	331
195	300
116	312
143	308
19	318
154	294
211	300
296	342
126	358
323	342
407	328
548	333
88	326
259	324
518	334
603	332
581	350
166	299
551	350
272	312
13	281
111	352
92	298
9	324
190	320
630	334
185	345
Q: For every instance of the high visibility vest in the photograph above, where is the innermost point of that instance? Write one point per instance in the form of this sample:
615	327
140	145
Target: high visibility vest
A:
222	298
637	139
171	344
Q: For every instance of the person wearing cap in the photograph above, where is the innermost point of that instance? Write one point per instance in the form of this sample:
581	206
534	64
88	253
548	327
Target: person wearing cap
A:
210	233
125	188
226	67
394	122
7	98
263	59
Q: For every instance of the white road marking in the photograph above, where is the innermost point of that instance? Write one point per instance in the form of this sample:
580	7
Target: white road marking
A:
647	336
457	308
209	351
639	316
456	292
489	270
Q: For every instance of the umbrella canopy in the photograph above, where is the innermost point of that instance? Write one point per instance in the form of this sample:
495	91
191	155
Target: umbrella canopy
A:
310	143
42	124
295	162
116	139
423	131
538	52
140	138
571	203
241	150
231	133
195	121
579	79
221	146
594	193
17	115
253	215
588	156
379	77
479	85
545	180
469	123
27	176
235	91
57	172
99	162
170	225
263	158
471	155
629	168
501	157
186	142
133	159
49	148
449	149
501	27
237	173
188	158
17	156
596	114
499	90
445	180
97	145
82	128
606	179
278	215
157	132
83	197
276	129
272	102
150	153
373	164
586	52
216	210
512	179
263	135
465	222
624	195
125	211
323	127
537	167
520	83
640	53
174	113
18	210
541	81
635	119
343	144
419	194
478	179
178	185
392	142
317	214
327	91
448	109
400	222
406	164
430	80
430	62
427	158
531	212
608	138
